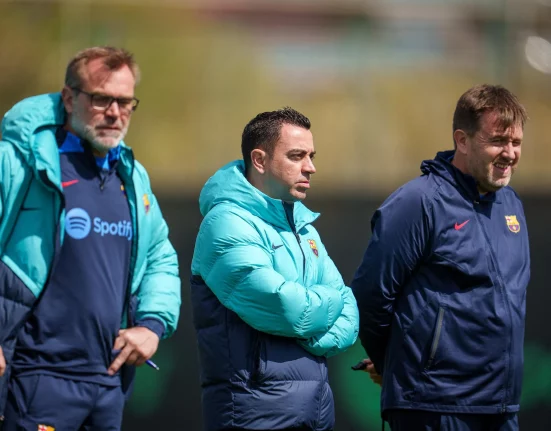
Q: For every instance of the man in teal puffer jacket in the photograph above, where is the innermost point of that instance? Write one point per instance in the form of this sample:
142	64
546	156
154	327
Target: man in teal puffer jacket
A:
88	278
269	304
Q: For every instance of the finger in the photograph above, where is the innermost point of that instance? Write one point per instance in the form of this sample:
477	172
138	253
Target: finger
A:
119	360
377	379
122	331
133	358
120	342
369	365
140	361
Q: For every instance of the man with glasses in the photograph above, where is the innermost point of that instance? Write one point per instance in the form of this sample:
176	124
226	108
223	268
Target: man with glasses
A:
85	295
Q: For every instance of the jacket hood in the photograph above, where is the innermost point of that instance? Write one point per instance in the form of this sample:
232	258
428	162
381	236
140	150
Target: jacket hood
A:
442	166
27	118
229	185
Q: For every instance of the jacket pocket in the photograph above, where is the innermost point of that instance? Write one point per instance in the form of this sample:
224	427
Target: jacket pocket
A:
435	338
257	354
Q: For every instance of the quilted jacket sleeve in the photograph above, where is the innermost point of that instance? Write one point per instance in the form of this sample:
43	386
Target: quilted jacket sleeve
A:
159	294
233	261
344	332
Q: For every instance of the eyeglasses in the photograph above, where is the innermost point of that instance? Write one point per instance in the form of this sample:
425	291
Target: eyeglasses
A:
102	102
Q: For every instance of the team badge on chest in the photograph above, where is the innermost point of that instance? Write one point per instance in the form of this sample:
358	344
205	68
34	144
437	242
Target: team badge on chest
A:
146	203
314	247
512	223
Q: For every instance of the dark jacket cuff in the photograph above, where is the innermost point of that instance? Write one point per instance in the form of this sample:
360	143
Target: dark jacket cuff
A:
154	325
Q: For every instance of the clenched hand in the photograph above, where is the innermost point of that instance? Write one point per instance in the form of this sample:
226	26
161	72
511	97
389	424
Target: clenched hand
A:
370	368
136	346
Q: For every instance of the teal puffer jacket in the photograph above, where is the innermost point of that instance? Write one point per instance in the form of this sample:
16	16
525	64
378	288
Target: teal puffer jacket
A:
270	305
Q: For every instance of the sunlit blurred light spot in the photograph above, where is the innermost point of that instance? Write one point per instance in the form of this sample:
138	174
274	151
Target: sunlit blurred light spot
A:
538	53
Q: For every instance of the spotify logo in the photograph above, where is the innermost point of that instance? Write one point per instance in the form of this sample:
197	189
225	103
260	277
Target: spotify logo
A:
77	223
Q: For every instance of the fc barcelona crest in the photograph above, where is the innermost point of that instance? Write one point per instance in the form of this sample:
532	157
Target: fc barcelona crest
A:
314	247
146	203
512	223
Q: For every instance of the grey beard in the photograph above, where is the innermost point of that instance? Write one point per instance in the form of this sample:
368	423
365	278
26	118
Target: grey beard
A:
87	133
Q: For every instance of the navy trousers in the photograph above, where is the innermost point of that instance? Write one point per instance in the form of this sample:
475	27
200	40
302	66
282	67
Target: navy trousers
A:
417	420
62	405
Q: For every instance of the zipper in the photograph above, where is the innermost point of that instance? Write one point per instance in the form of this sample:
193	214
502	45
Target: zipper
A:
508	307
297	236
133	204
436	338
102	182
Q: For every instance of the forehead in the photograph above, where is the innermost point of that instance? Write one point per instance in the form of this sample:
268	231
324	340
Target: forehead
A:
492	124
295	138
96	77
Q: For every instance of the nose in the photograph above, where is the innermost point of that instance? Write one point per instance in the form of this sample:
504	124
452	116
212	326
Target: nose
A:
113	110
509	151
309	166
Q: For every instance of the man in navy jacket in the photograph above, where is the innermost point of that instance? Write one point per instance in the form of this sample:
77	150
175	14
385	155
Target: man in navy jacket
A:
442	286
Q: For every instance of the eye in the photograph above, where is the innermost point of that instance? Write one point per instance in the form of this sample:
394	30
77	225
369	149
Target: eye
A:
125	102
100	100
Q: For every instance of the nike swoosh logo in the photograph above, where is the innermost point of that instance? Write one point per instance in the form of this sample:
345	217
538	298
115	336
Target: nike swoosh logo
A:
68	183
459	226
275	247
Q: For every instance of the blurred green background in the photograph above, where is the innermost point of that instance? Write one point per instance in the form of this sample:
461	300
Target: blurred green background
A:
379	81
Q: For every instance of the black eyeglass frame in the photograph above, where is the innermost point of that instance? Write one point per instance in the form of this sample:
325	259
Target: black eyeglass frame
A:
120	100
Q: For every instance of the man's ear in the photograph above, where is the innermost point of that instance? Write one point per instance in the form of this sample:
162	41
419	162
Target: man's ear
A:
258	160
460	138
67	95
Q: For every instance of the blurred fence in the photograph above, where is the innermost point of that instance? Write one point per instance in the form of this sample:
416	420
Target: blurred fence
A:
379	79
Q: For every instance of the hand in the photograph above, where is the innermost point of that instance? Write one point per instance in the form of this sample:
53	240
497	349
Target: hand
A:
2	363
376	377
136	346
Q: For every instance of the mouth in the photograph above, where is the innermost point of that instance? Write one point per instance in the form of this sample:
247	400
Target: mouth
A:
502	167
109	128
304	184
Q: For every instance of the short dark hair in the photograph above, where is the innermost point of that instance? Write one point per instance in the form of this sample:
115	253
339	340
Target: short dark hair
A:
478	100
113	58
264	130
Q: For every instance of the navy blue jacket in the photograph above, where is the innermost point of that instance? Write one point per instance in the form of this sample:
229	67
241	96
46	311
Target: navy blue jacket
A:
253	380
442	294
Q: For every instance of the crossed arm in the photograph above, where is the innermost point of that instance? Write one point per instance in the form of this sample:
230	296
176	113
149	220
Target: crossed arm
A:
235	263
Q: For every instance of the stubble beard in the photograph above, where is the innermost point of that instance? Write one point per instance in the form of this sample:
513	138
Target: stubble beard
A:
90	134
486	181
